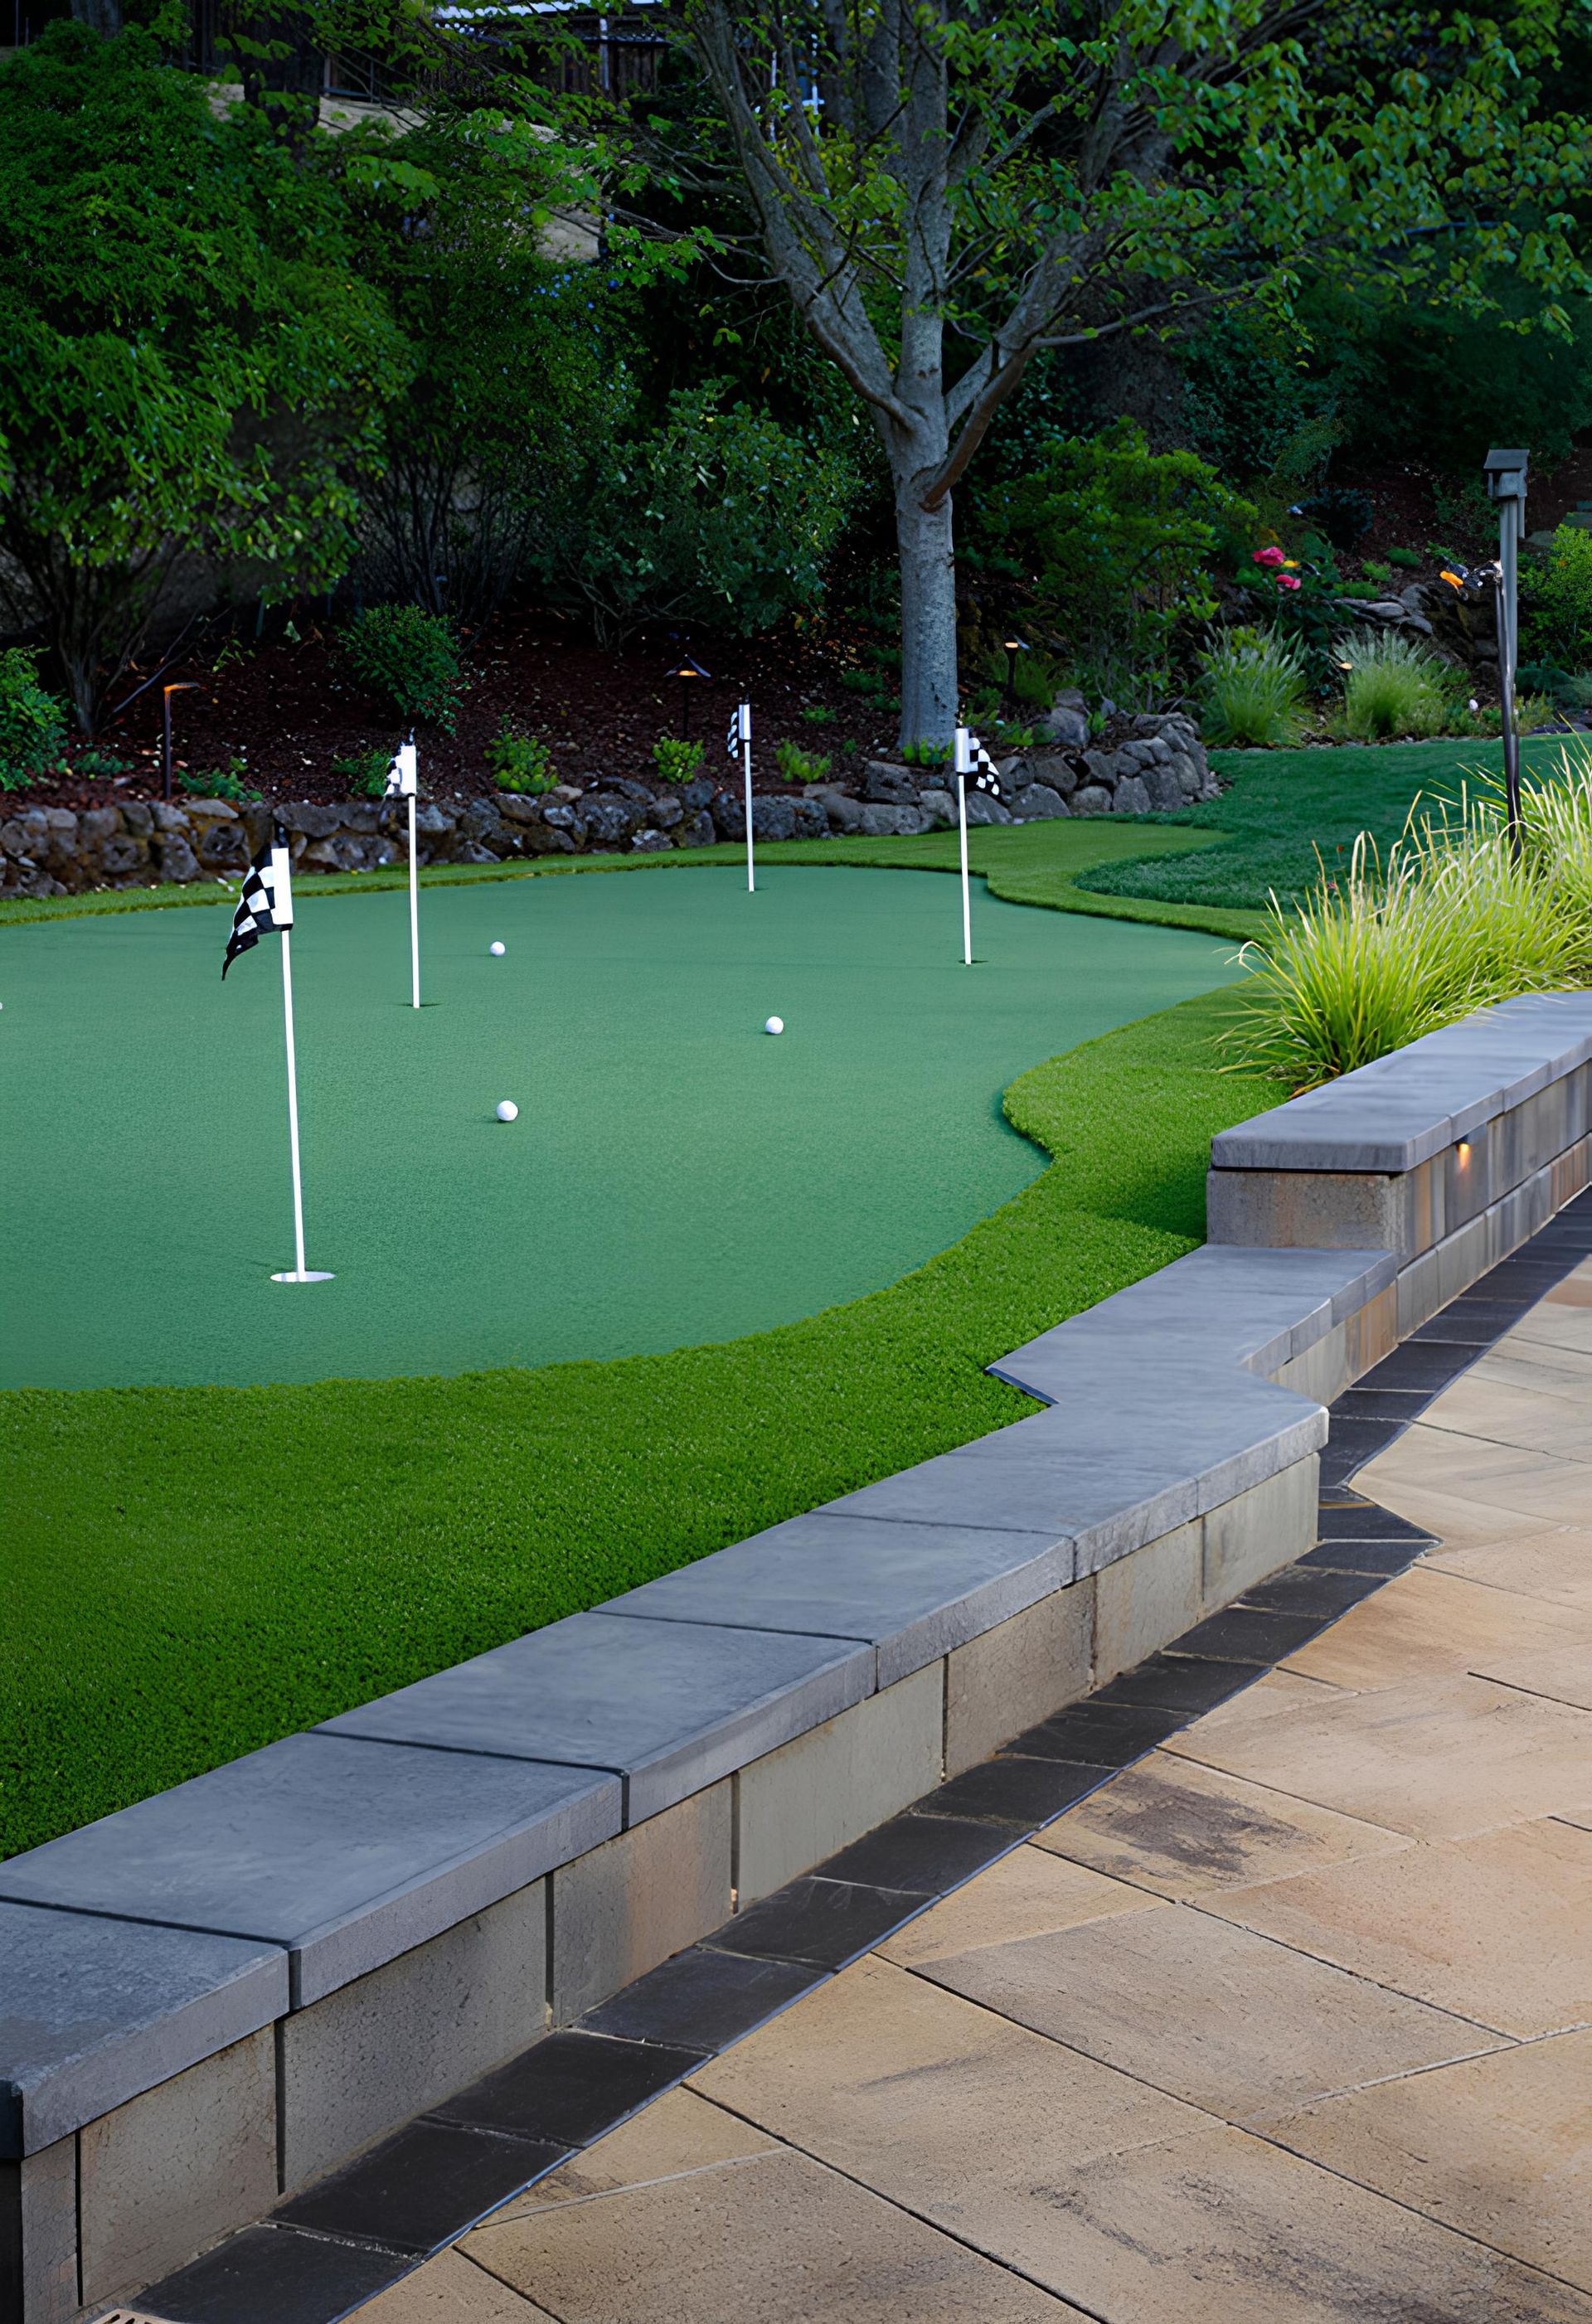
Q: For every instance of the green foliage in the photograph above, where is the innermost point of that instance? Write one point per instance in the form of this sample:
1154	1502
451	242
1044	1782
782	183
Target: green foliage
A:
411	656
1560	606
1410	560
228	782
928	754
716	516
818	713
33	723
101	765
190	363
798	766
1378	955
676	761
1253	689
1378	573
366	771
1118	539
1392	687
520	761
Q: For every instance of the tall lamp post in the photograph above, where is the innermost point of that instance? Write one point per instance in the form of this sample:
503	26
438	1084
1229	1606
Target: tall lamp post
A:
689	673
1506	473
1013	647
181	686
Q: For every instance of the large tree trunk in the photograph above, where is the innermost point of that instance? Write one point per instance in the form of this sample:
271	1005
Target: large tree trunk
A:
928	616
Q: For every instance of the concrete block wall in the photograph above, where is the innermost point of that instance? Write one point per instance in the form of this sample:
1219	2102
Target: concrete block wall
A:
220	1994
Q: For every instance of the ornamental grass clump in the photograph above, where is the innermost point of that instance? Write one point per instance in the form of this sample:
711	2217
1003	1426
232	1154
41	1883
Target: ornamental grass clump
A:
1254	690
1454	921
1391	687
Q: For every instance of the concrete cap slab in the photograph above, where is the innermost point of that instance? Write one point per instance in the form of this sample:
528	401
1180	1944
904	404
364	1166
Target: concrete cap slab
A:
912	1591
669	1707
343	1853
93	2011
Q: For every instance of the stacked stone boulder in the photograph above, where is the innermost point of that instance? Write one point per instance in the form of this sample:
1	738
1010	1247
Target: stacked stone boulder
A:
1143	764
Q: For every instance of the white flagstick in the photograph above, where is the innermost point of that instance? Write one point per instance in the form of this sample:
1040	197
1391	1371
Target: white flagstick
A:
745	716
281	890
409	783
966	901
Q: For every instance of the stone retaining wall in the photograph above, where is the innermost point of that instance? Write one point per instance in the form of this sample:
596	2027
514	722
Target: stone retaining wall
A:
217	1995
1158	763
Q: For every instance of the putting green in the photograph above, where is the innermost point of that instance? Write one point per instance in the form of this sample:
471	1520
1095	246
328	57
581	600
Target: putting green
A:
675	1176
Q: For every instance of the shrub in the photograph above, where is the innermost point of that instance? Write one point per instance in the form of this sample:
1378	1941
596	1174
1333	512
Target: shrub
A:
818	713
226	782
928	754
1391	687
411	656
676	761
798	766
1411	560
33	723
519	762
365	771
1253	689
101	764
1561	607
1377	572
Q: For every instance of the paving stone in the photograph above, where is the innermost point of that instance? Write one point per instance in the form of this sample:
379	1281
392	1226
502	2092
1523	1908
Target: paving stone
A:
773	2239
913	1591
1491	1927
1379	1559
1275	1691
828	1922
1022	1895
1555	1565
1427	1623
421	2188
1102	1734
928	1854
1436	1761
675	2137
94	2010
1251	1634
1303	1590
702	1999
569	2089
272	2276
452	2290
1380	1403
1211	2013
1178	1682
1419	1367
345	1853
1172	1825
670	1706
1012	1791
1361	1520
1496	2146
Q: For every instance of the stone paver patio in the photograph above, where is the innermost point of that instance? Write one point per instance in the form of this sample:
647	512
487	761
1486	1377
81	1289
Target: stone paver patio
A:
1286	2023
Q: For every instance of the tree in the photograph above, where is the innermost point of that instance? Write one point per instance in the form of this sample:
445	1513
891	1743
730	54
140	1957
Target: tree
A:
188	361
946	187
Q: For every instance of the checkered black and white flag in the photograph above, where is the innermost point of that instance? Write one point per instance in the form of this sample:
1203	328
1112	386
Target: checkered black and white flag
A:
402	775
265	907
982	768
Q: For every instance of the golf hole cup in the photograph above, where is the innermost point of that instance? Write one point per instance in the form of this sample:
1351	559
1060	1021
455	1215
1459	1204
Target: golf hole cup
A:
507	1109
775	1025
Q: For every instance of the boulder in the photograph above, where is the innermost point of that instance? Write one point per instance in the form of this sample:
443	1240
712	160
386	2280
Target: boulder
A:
611	820
1055	769
699	832
890	784
1068	721
1100	767
433	821
729	813
1132	797
171	819
362	815
698	793
773	818
666	814
482	819
880	820
841	810
622	787
1015	773
982	808
1165	790
1091	798
564	818
812	819
515	807
137	817
99	822
217	810
940	808
1038	802
650	843
549	838
174	858
472	853
222	846
305	817
121	856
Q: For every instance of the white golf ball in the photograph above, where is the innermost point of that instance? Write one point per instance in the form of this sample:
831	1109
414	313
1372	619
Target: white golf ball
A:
507	1109
775	1025
498	951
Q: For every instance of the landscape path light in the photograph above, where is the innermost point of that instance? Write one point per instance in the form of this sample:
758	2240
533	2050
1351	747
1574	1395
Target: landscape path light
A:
181	686
688	673
1013	647
1505	472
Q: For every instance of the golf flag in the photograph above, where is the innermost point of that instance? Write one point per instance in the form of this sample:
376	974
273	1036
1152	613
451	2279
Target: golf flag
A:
402	776
971	759
985	778
739	738
265	904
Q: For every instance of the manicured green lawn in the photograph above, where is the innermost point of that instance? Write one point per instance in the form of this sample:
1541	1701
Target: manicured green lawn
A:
194	1572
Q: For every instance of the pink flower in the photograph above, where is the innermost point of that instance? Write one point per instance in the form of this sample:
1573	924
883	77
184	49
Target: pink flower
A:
1269	557
1287	581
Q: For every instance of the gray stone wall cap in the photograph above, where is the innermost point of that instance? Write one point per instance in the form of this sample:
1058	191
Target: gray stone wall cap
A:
345	1853
670	1709
1390	1116
913	1592
94	2010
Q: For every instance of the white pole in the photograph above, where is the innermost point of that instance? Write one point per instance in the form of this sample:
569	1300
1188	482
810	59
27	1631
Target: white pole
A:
752	880
966	901
298	1274
414	913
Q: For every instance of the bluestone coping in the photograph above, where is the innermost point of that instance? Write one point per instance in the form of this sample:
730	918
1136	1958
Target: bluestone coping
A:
345	1853
1389	1117
913	1592
669	1708
94	2010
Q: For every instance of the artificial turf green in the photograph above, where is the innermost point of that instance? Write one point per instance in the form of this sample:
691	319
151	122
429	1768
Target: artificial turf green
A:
1285	814
195	1571
675	1176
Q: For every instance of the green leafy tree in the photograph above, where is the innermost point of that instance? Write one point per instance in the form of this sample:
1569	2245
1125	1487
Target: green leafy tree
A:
946	187
189	363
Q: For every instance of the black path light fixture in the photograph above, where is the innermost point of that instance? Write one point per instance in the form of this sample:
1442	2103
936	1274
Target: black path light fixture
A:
1505	474
1012	646
181	686
689	674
